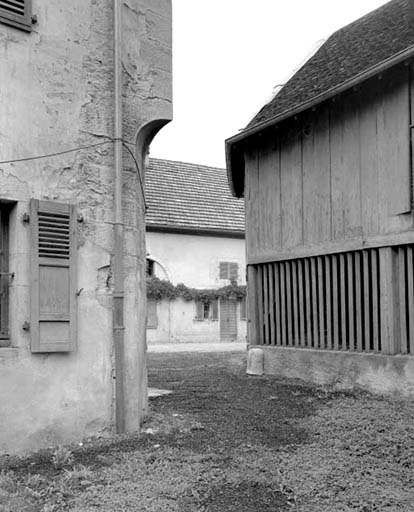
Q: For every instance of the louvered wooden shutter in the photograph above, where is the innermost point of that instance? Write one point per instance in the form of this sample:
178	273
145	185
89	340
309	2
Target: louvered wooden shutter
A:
17	13
214	309
53	289
199	310
223	270
243	309
234	271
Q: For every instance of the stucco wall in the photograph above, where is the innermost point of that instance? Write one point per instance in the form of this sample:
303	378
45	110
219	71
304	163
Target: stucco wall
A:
194	259
177	323
56	94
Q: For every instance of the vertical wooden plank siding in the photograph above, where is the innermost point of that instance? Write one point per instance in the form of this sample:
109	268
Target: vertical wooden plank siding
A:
260	302
253	306
358	301
314	303
345	167
302	334
291	182
411	134
402	283
266	305
314	290
277	304
351	308
335	302
329	305
342	295
296	339
321	302
289	303
283	302
251	203
387	302
410	295
375	301
308	304
316	178
369	157
393	147
269	198
367	294
272	305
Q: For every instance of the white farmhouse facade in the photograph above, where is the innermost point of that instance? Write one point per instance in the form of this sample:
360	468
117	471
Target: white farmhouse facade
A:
194	236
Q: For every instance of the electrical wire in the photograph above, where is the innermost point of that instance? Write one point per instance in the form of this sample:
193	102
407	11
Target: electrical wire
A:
139	174
56	154
79	148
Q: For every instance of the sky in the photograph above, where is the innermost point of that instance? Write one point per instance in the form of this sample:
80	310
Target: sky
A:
228	55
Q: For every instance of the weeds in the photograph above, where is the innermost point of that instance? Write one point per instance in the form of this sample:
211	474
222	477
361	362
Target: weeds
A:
62	457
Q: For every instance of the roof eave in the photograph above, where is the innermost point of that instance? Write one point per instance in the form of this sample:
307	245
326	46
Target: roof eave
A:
200	231
234	145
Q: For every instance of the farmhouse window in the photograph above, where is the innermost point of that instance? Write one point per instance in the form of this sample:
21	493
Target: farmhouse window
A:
4	275
207	310
228	270
53	276
17	13
152	318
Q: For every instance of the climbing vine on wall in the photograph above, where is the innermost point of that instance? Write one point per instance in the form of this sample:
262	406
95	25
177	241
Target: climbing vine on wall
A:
158	289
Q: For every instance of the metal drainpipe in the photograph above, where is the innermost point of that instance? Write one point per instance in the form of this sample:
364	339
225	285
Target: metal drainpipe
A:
118	296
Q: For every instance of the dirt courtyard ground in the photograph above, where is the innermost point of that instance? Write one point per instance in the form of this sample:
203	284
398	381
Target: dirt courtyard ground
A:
222	441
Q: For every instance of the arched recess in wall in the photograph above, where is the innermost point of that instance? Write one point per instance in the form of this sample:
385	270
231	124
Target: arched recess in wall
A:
144	136
156	268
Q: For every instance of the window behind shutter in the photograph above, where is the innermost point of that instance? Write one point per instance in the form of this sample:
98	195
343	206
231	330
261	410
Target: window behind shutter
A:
17	13
53	288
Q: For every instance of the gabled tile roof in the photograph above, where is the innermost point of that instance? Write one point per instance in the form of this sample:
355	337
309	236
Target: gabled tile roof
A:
363	44
185	196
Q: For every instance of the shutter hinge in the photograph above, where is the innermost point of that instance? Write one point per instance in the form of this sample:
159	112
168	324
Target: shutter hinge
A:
33	19
26	217
26	326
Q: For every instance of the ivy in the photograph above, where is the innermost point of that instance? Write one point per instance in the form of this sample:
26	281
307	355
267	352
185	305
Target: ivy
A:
158	289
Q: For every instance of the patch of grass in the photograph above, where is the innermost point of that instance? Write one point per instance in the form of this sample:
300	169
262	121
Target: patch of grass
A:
224	442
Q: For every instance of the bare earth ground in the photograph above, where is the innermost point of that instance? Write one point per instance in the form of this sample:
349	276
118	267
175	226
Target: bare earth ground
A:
224	442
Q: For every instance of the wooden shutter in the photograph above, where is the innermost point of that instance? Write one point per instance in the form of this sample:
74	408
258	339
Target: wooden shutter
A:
223	270
4	276
17	13
199	310
243	309
53	287
228	270
152	318
214	309
234	271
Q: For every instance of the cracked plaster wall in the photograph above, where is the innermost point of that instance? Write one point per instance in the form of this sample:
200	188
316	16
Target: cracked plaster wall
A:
57	93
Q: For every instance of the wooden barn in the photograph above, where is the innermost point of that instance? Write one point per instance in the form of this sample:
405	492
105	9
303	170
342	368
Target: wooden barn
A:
326	170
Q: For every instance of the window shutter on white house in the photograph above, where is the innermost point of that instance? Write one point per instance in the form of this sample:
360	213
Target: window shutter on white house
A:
53	274
214	309
229	270
199	310
233	271
17	13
